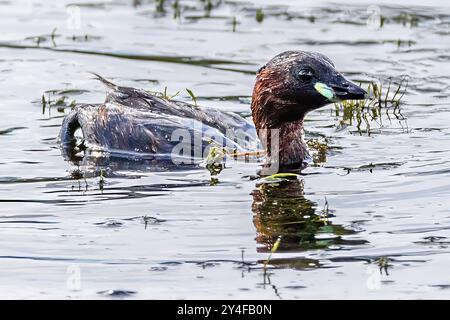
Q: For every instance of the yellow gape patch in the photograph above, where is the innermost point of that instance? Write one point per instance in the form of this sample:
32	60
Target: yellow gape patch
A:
325	90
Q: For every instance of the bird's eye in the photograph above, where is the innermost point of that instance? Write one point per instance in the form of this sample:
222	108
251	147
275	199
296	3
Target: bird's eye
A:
305	74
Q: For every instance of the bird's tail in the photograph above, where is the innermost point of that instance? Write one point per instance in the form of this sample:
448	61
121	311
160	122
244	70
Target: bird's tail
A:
107	83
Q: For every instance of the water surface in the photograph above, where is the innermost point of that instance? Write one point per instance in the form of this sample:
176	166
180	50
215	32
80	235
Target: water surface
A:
379	195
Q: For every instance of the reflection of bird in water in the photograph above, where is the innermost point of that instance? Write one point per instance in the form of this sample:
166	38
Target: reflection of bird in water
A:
281	209
92	163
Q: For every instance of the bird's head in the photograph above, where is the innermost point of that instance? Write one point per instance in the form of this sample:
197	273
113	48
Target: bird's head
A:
294	83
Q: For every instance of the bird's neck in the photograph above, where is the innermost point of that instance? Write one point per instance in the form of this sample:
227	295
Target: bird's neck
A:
284	145
282	139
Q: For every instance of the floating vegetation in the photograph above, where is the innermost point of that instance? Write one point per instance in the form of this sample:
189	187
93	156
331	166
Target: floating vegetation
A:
192	95
401	43
146	220
384	102
379	20
217	155
407	19
208	7
57	99
214	161
383	264
164	94
259	15
83	38
278	177
189	10
44	38
176	10
214	169
44	104
79	175
323	216
318	149
160	6
101	182
52	35
37	39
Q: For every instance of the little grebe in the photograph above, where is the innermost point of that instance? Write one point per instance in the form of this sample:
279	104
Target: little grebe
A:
134	121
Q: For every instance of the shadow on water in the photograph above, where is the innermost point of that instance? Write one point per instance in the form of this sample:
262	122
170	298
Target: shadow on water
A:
95	161
281	209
